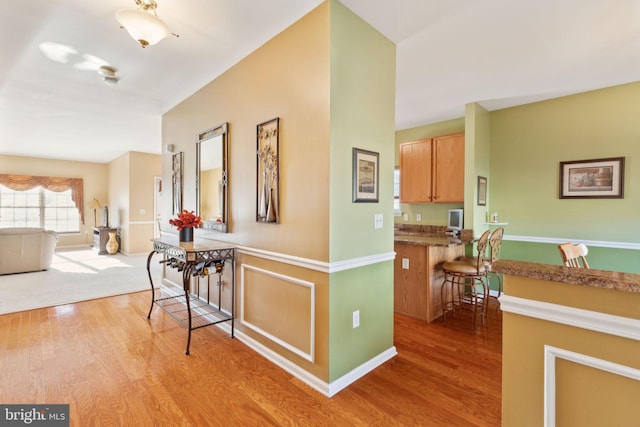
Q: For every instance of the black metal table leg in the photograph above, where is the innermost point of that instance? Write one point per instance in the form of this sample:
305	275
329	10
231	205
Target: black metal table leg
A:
233	296
153	293
186	280
196	262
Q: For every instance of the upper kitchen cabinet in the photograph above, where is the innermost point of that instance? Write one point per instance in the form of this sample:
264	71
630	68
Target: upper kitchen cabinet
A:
415	171
432	170
448	168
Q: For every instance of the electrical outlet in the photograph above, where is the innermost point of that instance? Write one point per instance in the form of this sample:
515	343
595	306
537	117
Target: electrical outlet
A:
356	318
405	263
377	221
418	217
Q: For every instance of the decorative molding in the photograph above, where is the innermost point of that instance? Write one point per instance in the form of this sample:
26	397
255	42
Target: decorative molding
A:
141	222
310	356
552	353
361	262
312	381
576	317
557	241
312	264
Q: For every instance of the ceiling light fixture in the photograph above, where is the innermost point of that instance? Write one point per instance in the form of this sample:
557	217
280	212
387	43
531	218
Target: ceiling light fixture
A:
108	75
143	23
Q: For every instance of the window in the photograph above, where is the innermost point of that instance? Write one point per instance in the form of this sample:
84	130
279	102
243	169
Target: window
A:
396	192
39	207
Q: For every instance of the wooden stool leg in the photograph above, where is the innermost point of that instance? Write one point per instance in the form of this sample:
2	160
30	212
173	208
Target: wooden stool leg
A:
444	295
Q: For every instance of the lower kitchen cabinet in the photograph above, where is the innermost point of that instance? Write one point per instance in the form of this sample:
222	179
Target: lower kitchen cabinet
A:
417	288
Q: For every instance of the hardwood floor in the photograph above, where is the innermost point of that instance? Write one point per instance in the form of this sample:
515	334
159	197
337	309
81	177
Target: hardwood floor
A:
116	368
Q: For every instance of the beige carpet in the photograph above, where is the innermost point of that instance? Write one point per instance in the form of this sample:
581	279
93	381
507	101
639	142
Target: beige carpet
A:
77	274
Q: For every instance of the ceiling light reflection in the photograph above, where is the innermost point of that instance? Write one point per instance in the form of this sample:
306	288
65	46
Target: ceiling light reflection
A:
90	62
57	52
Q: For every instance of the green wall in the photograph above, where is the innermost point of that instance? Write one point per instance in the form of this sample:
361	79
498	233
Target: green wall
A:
527	145
519	150
477	163
370	290
362	116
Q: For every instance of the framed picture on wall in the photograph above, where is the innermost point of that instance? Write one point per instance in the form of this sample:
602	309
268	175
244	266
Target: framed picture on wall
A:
592	179
176	182
365	176
482	191
268	171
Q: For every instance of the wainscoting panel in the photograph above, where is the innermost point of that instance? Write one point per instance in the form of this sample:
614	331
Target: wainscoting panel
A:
264	295
573	385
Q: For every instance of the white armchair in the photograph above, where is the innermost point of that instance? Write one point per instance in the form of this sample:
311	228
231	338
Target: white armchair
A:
26	249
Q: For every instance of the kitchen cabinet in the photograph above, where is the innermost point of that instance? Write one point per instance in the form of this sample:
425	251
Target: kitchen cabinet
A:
432	170
417	288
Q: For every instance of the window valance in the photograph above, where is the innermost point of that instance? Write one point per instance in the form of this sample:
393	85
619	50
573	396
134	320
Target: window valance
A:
27	182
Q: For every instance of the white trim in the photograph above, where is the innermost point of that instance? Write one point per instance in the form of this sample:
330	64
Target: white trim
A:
284	258
576	317
362	370
141	222
310	356
550	356
361	262
312	264
559	240
312	381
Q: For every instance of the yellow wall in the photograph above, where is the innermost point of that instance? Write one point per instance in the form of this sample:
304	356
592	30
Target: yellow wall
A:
278	80
288	77
585	395
209	201
330	79
125	185
131	190
144	168
94	177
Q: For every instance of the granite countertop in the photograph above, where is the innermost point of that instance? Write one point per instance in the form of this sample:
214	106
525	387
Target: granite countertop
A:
626	282
426	240
429	235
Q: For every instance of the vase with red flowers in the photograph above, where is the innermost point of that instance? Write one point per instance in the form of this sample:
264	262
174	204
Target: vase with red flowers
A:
185	223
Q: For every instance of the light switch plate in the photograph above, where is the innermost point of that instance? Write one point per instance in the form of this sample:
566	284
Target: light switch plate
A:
418	217
378	221
405	263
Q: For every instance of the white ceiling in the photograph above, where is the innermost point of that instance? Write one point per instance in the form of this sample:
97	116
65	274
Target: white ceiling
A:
500	53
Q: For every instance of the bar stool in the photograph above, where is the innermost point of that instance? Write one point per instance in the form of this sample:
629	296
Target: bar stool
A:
465	284
495	244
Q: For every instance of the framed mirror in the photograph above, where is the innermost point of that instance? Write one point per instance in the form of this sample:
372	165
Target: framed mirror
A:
212	179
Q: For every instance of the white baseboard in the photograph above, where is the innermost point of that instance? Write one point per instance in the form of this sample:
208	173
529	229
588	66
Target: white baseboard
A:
327	389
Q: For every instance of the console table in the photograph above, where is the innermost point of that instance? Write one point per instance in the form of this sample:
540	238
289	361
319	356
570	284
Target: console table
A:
193	259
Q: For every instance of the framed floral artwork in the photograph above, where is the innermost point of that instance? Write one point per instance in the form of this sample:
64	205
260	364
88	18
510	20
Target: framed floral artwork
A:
268	169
